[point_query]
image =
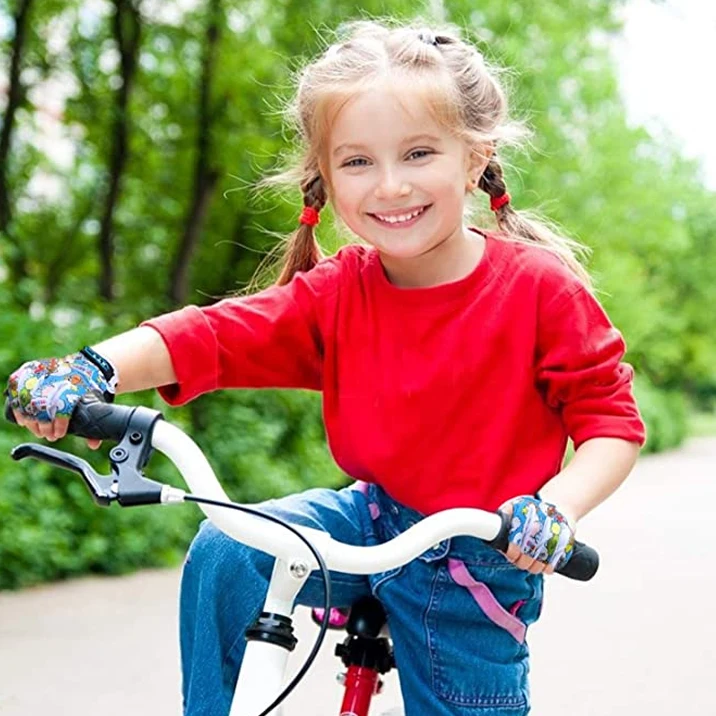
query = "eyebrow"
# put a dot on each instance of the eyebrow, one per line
(407, 140)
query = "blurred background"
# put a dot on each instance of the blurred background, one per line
(133, 132)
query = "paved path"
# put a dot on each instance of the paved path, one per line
(639, 639)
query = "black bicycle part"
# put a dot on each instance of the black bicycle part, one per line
(367, 618)
(325, 575)
(364, 646)
(274, 629)
(375, 654)
(132, 427)
(582, 566)
(92, 417)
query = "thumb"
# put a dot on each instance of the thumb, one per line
(508, 506)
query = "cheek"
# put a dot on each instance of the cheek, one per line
(346, 196)
(446, 183)
(455, 190)
(340, 205)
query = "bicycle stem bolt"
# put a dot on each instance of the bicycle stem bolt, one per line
(299, 569)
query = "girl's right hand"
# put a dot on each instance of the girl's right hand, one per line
(43, 392)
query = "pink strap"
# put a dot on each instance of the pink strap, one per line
(486, 600)
(372, 506)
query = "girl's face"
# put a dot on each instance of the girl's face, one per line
(398, 179)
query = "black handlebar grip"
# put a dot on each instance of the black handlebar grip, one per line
(93, 418)
(9, 415)
(583, 563)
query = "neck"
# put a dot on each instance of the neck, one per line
(451, 260)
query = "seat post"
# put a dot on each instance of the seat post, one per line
(366, 655)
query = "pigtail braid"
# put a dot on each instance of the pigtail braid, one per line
(303, 251)
(518, 226)
(492, 181)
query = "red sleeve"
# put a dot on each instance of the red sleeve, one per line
(580, 370)
(271, 339)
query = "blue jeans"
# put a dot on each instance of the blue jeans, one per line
(457, 614)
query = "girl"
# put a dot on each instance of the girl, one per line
(454, 364)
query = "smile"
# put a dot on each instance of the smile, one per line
(400, 220)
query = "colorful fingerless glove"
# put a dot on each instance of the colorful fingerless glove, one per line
(49, 388)
(541, 531)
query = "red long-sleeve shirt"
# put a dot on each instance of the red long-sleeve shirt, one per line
(462, 394)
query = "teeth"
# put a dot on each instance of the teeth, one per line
(401, 217)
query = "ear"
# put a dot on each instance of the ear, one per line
(477, 160)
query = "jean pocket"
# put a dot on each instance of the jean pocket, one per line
(476, 624)
(486, 600)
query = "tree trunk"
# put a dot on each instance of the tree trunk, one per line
(127, 28)
(205, 176)
(16, 257)
(55, 266)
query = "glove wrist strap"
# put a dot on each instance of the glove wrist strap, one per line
(105, 367)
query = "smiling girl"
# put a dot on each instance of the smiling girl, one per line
(454, 362)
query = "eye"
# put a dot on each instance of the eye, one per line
(355, 162)
(420, 153)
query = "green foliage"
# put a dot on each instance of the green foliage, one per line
(261, 444)
(265, 443)
(703, 424)
(665, 413)
(50, 528)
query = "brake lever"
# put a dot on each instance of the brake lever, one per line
(126, 484)
(100, 487)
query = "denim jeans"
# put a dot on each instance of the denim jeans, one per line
(457, 614)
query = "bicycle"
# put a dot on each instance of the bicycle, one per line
(366, 652)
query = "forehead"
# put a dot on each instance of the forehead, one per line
(382, 117)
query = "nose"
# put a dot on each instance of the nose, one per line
(391, 183)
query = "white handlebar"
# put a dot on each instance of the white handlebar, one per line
(275, 540)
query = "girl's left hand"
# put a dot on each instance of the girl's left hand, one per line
(541, 537)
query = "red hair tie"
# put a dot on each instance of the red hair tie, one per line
(309, 216)
(499, 201)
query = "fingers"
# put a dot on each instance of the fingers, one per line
(56, 430)
(60, 427)
(519, 558)
(46, 430)
(523, 561)
(51, 431)
(29, 423)
(513, 552)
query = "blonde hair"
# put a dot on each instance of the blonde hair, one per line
(463, 93)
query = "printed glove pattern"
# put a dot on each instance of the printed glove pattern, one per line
(541, 531)
(49, 388)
